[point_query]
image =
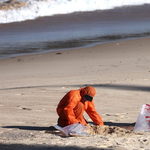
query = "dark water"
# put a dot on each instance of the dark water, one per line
(73, 30)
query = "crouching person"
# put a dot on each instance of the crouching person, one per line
(72, 106)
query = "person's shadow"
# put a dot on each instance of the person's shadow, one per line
(50, 129)
(53, 130)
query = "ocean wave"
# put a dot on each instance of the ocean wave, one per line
(21, 10)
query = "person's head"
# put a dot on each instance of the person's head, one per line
(88, 93)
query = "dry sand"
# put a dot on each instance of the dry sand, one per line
(31, 87)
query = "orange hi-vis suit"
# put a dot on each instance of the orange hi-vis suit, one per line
(71, 107)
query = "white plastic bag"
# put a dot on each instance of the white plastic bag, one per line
(73, 130)
(143, 120)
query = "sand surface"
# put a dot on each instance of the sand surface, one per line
(31, 87)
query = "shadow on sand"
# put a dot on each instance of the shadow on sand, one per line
(45, 147)
(107, 85)
(53, 130)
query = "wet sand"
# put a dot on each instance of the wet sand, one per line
(73, 30)
(31, 87)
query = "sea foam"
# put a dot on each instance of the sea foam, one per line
(12, 11)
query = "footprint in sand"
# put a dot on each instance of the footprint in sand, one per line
(119, 116)
(23, 108)
(112, 115)
(19, 94)
(26, 108)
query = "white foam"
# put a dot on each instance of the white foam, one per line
(38, 8)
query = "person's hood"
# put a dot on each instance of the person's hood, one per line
(89, 90)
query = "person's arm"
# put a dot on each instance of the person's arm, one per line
(91, 111)
(68, 110)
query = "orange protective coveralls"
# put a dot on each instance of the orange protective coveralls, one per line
(71, 107)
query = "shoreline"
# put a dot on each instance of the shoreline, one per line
(74, 30)
(14, 4)
(31, 87)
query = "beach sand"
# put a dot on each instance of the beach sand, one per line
(31, 87)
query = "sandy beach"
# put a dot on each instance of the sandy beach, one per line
(31, 87)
